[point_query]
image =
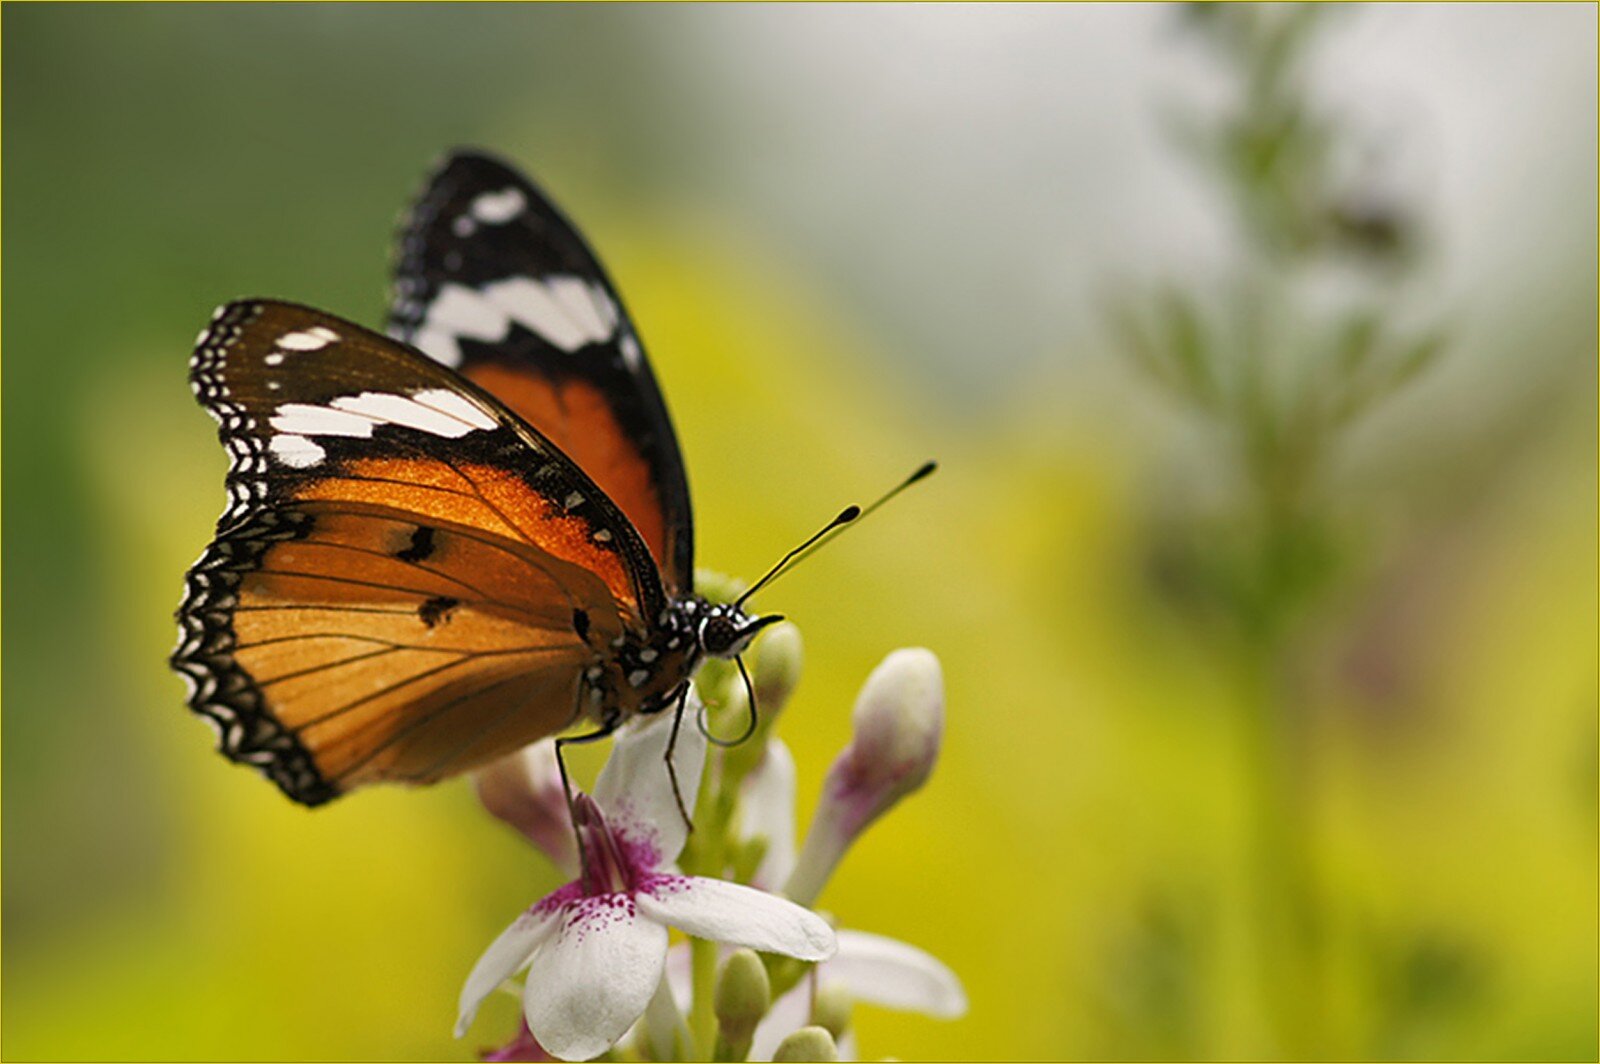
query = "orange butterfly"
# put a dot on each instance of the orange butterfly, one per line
(443, 546)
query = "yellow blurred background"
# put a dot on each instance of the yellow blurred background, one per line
(853, 238)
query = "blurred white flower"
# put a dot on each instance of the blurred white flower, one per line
(596, 947)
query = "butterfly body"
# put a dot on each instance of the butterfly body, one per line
(442, 544)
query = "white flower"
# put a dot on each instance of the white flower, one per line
(596, 947)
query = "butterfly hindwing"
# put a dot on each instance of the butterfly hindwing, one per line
(393, 590)
(494, 282)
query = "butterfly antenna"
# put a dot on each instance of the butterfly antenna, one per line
(850, 515)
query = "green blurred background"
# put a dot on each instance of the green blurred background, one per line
(1270, 737)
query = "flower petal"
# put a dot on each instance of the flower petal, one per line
(663, 1021)
(635, 791)
(500, 961)
(738, 915)
(593, 979)
(887, 972)
(524, 790)
(767, 811)
(680, 975)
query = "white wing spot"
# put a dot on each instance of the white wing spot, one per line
(603, 536)
(387, 409)
(296, 451)
(575, 499)
(309, 340)
(630, 351)
(305, 419)
(274, 359)
(566, 311)
(497, 208)
(458, 406)
(438, 412)
(637, 677)
(464, 226)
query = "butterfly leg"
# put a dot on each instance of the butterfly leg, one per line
(672, 769)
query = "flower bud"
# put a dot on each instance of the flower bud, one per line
(831, 1010)
(779, 656)
(523, 1047)
(776, 673)
(808, 1043)
(524, 789)
(899, 722)
(717, 587)
(742, 997)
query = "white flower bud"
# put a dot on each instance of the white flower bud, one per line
(899, 722)
(524, 789)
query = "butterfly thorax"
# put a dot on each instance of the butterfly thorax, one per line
(644, 671)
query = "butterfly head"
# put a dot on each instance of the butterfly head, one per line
(726, 631)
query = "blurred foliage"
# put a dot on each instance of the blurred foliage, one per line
(1280, 371)
(1101, 574)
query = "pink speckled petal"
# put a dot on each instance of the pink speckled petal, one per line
(593, 979)
(501, 960)
(635, 792)
(888, 972)
(739, 916)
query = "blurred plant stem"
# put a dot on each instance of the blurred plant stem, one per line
(1278, 378)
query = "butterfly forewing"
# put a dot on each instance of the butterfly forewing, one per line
(393, 590)
(494, 282)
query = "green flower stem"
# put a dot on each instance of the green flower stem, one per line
(705, 855)
(702, 1010)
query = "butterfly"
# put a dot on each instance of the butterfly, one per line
(447, 542)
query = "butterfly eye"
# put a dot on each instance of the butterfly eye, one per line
(717, 636)
(722, 638)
